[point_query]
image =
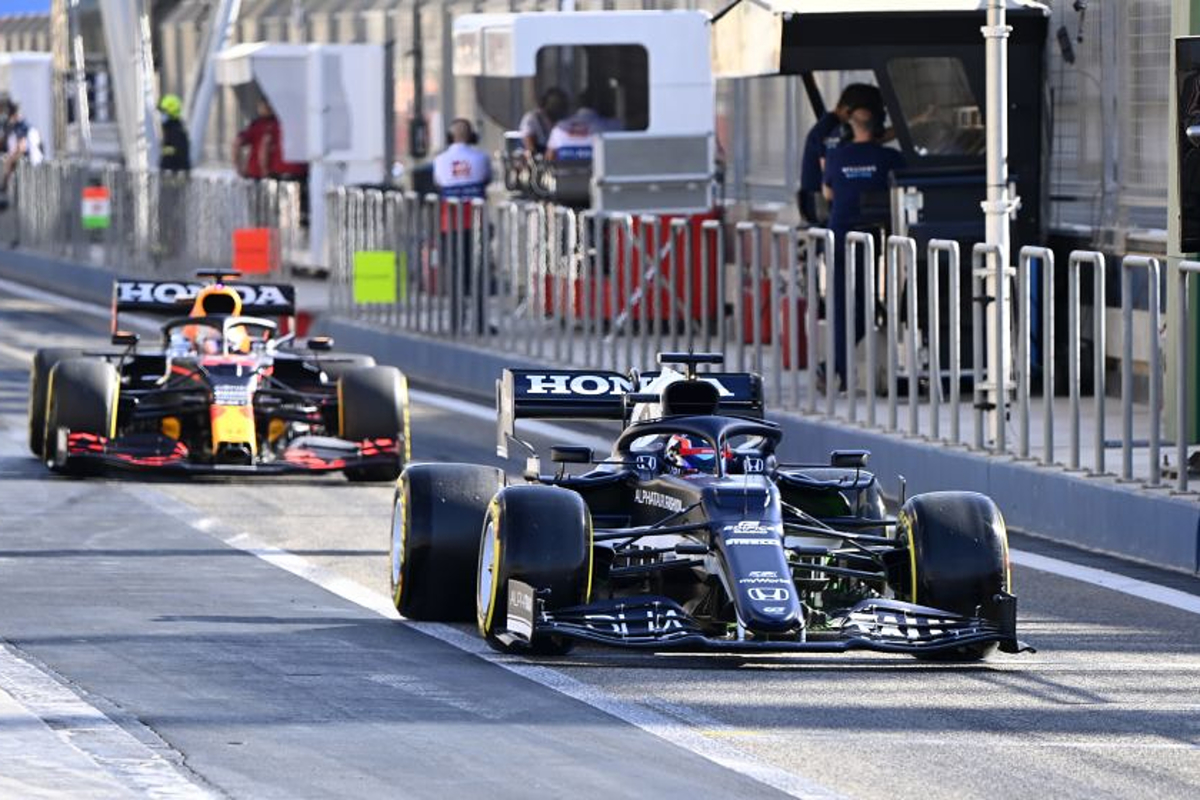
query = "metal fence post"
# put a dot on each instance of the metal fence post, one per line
(1151, 265)
(854, 241)
(826, 238)
(1077, 259)
(1184, 270)
(936, 248)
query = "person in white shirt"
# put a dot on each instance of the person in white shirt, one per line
(461, 172)
(571, 139)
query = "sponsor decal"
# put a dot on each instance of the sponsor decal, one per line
(232, 394)
(769, 594)
(171, 292)
(652, 622)
(763, 580)
(737, 541)
(658, 500)
(520, 609)
(586, 385)
(774, 609)
(753, 465)
(647, 463)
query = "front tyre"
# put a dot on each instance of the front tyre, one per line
(39, 380)
(373, 404)
(542, 536)
(81, 396)
(958, 560)
(436, 516)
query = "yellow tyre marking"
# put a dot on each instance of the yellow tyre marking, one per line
(485, 624)
(341, 411)
(398, 510)
(587, 595)
(905, 526)
(112, 414)
(404, 410)
(1008, 581)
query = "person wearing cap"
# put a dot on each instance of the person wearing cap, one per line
(176, 147)
(829, 131)
(856, 183)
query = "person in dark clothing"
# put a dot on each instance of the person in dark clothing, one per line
(856, 182)
(174, 165)
(824, 136)
(176, 147)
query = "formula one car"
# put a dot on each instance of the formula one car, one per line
(692, 535)
(226, 392)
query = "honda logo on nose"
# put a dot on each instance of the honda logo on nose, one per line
(772, 594)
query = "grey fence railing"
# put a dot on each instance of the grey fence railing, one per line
(156, 223)
(609, 291)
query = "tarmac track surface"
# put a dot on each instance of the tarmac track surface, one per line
(264, 684)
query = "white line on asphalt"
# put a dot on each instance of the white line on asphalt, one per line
(653, 722)
(1108, 580)
(116, 753)
(1066, 569)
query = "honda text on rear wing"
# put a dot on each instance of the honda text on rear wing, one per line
(602, 395)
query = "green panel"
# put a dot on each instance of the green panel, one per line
(374, 276)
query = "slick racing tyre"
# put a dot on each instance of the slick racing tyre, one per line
(437, 514)
(39, 377)
(81, 396)
(542, 536)
(958, 559)
(335, 366)
(373, 404)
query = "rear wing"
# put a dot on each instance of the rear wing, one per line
(599, 395)
(167, 297)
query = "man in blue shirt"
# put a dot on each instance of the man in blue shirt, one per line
(825, 136)
(856, 183)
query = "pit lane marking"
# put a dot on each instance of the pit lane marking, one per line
(667, 727)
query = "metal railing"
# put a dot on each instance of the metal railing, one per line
(157, 223)
(610, 290)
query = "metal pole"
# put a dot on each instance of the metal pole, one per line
(950, 248)
(997, 207)
(1151, 265)
(1185, 269)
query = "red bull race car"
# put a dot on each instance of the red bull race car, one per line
(693, 534)
(226, 391)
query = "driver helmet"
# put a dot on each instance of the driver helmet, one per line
(217, 300)
(689, 454)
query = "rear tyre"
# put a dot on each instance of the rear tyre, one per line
(39, 377)
(81, 396)
(437, 514)
(958, 559)
(541, 535)
(373, 404)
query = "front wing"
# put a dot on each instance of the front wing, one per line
(659, 623)
(308, 454)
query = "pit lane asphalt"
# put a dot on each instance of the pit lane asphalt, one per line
(269, 686)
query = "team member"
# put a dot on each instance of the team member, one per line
(176, 147)
(571, 139)
(856, 182)
(825, 136)
(461, 172)
(537, 124)
(23, 143)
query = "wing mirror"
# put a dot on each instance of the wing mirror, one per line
(320, 344)
(125, 338)
(570, 454)
(849, 459)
